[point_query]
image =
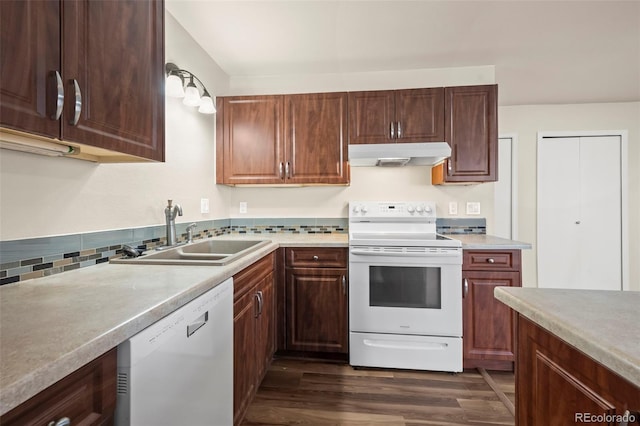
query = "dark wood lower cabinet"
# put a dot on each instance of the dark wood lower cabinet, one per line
(556, 384)
(488, 325)
(316, 300)
(253, 331)
(86, 397)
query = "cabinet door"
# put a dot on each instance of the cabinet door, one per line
(317, 310)
(420, 115)
(371, 117)
(30, 57)
(315, 138)
(555, 382)
(244, 365)
(87, 396)
(253, 151)
(115, 52)
(488, 325)
(471, 128)
(265, 334)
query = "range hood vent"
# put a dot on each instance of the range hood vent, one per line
(398, 154)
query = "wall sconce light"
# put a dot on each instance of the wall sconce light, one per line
(175, 87)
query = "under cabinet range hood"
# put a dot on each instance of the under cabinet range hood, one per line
(398, 154)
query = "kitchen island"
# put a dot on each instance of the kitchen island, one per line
(578, 354)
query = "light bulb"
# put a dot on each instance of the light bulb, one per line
(173, 86)
(206, 104)
(191, 94)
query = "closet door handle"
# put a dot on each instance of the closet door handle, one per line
(287, 170)
(465, 287)
(281, 170)
(392, 131)
(77, 105)
(59, 97)
(399, 130)
(449, 167)
(260, 302)
(344, 285)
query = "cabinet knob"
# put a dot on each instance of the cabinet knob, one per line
(315, 258)
(490, 260)
(62, 422)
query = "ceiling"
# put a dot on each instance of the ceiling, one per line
(544, 52)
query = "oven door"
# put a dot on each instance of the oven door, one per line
(410, 290)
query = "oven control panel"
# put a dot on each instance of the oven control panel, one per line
(392, 210)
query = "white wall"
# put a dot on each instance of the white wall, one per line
(44, 196)
(526, 121)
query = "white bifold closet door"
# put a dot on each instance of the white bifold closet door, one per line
(579, 213)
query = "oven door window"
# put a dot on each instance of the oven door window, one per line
(405, 287)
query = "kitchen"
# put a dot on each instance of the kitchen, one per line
(68, 197)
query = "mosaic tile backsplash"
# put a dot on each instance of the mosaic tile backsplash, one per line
(38, 257)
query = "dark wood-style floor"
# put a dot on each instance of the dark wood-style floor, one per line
(298, 392)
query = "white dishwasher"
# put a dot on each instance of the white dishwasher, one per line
(179, 371)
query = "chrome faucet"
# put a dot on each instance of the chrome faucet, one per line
(170, 213)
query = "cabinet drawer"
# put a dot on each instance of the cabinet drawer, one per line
(314, 257)
(247, 278)
(491, 260)
(86, 396)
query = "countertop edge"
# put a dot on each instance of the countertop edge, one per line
(608, 357)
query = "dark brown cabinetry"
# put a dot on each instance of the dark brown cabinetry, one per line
(555, 383)
(86, 396)
(94, 78)
(488, 325)
(292, 139)
(253, 331)
(412, 115)
(316, 300)
(471, 129)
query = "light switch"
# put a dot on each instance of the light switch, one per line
(473, 207)
(243, 207)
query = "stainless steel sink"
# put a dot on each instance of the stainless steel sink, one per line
(213, 252)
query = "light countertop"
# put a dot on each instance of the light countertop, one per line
(488, 242)
(51, 326)
(604, 325)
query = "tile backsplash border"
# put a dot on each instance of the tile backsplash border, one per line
(25, 259)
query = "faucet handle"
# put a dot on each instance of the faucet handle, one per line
(190, 227)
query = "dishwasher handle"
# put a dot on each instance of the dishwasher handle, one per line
(197, 324)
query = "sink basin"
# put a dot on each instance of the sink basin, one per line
(213, 252)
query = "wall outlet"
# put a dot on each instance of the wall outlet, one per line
(473, 207)
(204, 205)
(453, 208)
(243, 207)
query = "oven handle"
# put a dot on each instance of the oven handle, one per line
(420, 346)
(442, 252)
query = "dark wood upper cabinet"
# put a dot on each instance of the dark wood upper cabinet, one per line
(107, 57)
(289, 139)
(316, 146)
(412, 115)
(471, 123)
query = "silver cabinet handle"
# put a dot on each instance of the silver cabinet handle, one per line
(449, 167)
(287, 170)
(59, 97)
(197, 324)
(77, 106)
(629, 416)
(62, 422)
(315, 257)
(399, 130)
(257, 310)
(344, 285)
(392, 131)
(490, 260)
(260, 302)
(465, 288)
(281, 171)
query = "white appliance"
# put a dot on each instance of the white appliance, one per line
(405, 288)
(179, 371)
